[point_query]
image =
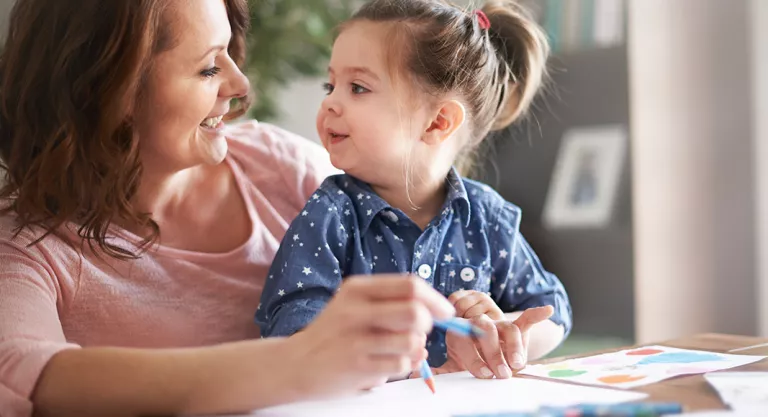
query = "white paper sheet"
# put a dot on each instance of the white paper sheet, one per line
(747, 412)
(741, 389)
(640, 366)
(458, 393)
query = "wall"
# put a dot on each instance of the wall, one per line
(690, 102)
(759, 13)
(589, 88)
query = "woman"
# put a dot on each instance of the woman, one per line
(138, 230)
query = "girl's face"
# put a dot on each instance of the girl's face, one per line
(371, 122)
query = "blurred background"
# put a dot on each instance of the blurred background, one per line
(642, 171)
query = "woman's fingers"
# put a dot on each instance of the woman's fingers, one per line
(392, 287)
(398, 316)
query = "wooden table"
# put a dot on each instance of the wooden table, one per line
(693, 391)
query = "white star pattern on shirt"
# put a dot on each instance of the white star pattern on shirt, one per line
(448, 258)
(304, 213)
(295, 237)
(339, 192)
(315, 197)
(341, 227)
(369, 212)
(300, 284)
(452, 274)
(335, 271)
(450, 245)
(503, 254)
(346, 212)
(519, 290)
(281, 293)
(360, 196)
(312, 224)
(470, 245)
(307, 270)
(379, 239)
(417, 255)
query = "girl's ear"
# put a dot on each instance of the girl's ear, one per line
(448, 119)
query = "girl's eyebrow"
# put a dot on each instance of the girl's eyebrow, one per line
(358, 70)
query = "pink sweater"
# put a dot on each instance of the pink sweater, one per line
(53, 297)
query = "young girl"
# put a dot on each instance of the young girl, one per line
(414, 86)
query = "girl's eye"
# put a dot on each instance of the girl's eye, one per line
(210, 72)
(328, 87)
(358, 89)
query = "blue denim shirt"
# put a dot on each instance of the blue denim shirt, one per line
(347, 229)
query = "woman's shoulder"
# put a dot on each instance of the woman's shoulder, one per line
(32, 246)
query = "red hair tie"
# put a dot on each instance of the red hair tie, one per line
(482, 19)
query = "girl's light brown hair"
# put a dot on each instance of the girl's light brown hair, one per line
(70, 77)
(496, 71)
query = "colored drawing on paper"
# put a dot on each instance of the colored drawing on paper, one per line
(565, 373)
(620, 379)
(681, 357)
(640, 366)
(644, 352)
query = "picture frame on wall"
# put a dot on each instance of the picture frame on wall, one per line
(586, 177)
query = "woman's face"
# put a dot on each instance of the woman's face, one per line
(188, 89)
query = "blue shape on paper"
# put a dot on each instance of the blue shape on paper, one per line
(680, 357)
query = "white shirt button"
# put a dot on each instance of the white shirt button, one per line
(425, 271)
(467, 274)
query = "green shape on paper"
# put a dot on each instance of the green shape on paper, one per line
(565, 373)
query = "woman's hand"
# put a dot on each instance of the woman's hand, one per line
(504, 346)
(373, 329)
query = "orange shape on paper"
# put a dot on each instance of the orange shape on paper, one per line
(619, 379)
(644, 352)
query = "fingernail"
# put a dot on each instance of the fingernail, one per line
(504, 371)
(485, 372)
(517, 361)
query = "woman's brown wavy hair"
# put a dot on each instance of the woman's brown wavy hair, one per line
(70, 76)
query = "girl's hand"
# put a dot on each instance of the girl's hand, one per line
(505, 343)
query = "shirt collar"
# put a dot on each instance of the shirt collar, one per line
(457, 197)
(368, 204)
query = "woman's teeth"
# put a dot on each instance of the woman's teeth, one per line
(212, 122)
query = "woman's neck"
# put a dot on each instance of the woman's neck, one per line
(421, 201)
(169, 195)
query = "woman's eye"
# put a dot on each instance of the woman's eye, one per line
(210, 72)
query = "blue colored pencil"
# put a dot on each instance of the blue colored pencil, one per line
(426, 375)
